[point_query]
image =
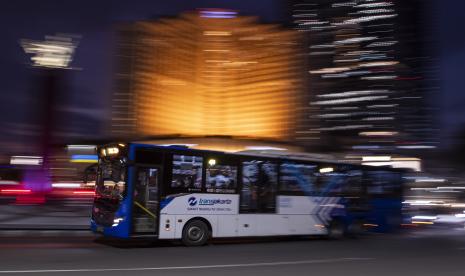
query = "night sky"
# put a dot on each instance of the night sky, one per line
(90, 88)
(450, 35)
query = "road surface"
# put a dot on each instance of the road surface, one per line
(431, 252)
(69, 214)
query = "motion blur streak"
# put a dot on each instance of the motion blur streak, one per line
(54, 52)
(214, 89)
(15, 191)
(90, 193)
(26, 160)
(66, 185)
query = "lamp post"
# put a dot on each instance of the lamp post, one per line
(50, 58)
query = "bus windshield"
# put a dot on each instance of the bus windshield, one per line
(111, 181)
(110, 190)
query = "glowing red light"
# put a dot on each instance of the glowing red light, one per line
(15, 191)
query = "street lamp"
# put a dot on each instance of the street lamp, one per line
(50, 57)
(54, 52)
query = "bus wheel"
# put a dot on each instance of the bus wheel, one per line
(336, 230)
(195, 233)
(355, 229)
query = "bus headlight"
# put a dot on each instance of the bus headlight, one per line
(112, 151)
(116, 221)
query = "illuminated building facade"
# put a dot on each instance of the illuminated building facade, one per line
(207, 73)
(368, 75)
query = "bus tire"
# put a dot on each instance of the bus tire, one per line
(336, 230)
(195, 233)
(355, 229)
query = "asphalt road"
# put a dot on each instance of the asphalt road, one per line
(432, 252)
(66, 214)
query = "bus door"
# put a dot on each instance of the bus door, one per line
(145, 206)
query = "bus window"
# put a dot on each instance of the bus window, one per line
(299, 178)
(250, 175)
(340, 181)
(187, 172)
(383, 183)
(221, 178)
(331, 184)
(353, 186)
(111, 181)
(267, 187)
(259, 185)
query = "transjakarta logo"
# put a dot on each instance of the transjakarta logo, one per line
(205, 201)
(192, 201)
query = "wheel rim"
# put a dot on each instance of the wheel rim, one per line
(195, 233)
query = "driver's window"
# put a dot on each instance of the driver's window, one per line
(112, 180)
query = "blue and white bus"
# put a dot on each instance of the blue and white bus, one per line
(181, 193)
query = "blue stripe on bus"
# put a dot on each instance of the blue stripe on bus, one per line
(165, 202)
(170, 198)
(92, 157)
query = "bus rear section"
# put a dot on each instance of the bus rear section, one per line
(384, 198)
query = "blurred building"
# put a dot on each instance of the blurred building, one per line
(370, 76)
(207, 73)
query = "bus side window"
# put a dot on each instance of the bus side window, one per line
(383, 183)
(354, 183)
(187, 173)
(267, 187)
(250, 177)
(331, 184)
(259, 185)
(220, 177)
(298, 178)
(338, 180)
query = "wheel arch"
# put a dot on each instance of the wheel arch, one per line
(202, 219)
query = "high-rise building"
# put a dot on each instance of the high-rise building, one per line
(368, 90)
(210, 72)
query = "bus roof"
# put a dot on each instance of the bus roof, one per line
(223, 144)
(250, 147)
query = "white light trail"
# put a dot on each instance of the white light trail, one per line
(425, 217)
(354, 93)
(350, 100)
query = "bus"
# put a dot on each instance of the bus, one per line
(177, 192)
